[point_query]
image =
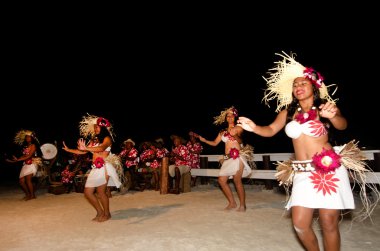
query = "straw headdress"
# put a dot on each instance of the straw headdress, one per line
(20, 136)
(86, 125)
(281, 77)
(218, 120)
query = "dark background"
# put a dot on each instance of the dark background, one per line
(156, 82)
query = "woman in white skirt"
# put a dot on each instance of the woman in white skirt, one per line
(104, 164)
(318, 174)
(237, 159)
(30, 144)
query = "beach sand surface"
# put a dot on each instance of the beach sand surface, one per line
(149, 220)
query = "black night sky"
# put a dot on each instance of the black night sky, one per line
(155, 86)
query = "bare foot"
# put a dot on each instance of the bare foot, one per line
(230, 206)
(241, 209)
(29, 198)
(104, 218)
(97, 217)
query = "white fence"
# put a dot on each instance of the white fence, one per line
(266, 158)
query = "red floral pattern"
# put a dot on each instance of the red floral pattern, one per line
(324, 182)
(131, 157)
(147, 155)
(67, 176)
(182, 156)
(195, 151)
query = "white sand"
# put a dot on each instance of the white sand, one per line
(151, 221)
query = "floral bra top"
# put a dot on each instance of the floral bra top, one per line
(227, 137)
(313, 128)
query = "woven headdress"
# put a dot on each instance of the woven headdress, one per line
(20, 136)
(86, 125)
(218, 120)
(281, 77)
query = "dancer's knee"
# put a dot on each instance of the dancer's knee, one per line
(222, 181)
(299, 230)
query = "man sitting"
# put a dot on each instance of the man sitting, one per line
(180, 163)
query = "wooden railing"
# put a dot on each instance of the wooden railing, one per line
(267, 172)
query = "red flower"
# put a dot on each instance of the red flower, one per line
(234, 111)
(234, 153)
(103, 122)
(324, 182)
(327, 161)
(28, 161)
(314, 76)
(99, 162)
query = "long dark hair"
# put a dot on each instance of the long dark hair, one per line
(103, 133)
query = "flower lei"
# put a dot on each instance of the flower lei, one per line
(103, 122)
(327, 161)
(234, 153)
(314, 76)
(99, 162)
(303, 117)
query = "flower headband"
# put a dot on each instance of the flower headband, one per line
(222, 117)
(103, 122)
(314, 76)
(281, 77)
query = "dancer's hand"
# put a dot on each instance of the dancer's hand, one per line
(82, 144)
(201, 139)
(328, 110)
(65, 146)
(246, 124)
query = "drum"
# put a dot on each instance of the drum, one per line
(49, 151)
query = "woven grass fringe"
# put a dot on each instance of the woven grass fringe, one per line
(247, 153)
(359, 171)
(116, 162)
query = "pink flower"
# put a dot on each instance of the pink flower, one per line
(99, 162)
(103, 122)
(234, 153)
(327, 161)
(314, 76)
(234, 111)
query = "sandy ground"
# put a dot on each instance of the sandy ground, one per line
(149, 220)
